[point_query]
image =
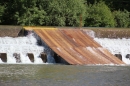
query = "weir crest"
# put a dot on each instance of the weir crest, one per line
(24, 50)
(42, 45)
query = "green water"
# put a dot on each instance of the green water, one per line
(63, 75)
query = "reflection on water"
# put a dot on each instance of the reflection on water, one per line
(63, 75)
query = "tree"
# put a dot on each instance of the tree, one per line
(114, 4)
(99, 15)
(64, 13)
(1, 12)
(122, 18)
(43, 12)
(118, 4)
(30, 14)
(23, 12)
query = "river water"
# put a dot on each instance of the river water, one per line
(63, 75)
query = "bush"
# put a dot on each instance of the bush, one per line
(122, 18)
(1, 12)
(99, 15)
(64, 12)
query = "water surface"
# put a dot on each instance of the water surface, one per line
(63, 75)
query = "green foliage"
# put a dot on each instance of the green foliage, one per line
(23, 12)
(75, 9)
(1, 12)
(99, 15)
(55, 13)
(30, 14)
(118, 4)
(122, 18)
(64, 13)
(44, 12)
(92, 13)
(8, 15)
(114, 4)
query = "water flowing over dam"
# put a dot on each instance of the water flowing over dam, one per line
(17, 49)
(117, 47)
(42, 45)
(20, 49)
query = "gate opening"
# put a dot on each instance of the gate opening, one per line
(44, 57)
(3, 57)
(119, 56)
(31, 57)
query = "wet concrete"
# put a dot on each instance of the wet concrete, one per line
(63, 75)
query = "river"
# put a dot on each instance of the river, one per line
(63, 75)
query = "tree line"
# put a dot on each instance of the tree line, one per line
(87, 13)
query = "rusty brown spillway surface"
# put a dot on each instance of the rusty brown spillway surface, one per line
(76, 47)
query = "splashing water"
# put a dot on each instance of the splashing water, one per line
(21, 45)
(90, 33)
(116, 46)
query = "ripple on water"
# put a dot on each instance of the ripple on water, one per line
(63, 75)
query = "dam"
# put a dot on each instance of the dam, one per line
(76, 46)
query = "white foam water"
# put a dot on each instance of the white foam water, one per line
(90, 33)
(21, 45)
(116, 46)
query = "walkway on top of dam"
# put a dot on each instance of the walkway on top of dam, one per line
(75, 46)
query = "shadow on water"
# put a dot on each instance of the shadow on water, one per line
(63, 75)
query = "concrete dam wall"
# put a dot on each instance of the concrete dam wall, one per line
(75, 46)
(55, 45)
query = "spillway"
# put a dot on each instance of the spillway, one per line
(75, 46)
(117, 47)
(22, 46)
(40, 45)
